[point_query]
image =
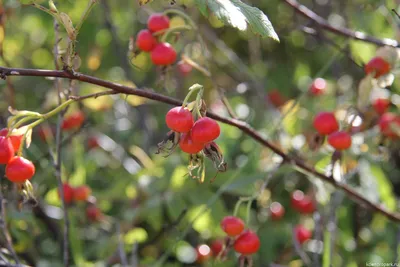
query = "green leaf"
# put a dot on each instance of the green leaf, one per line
(385, 188)
(239, 15)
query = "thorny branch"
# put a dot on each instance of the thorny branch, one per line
(243, 126)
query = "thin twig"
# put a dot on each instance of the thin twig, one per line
(243, 126)
(57, 159)
(3, 225)
(306, 12)
(134, 255)
(121, 249)
(95, 95)
(306, 260)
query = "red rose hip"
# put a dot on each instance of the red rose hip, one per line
(204, 253)
(247, 243)
(302, 203)
(318, 87)
(145, 40)
(81, 193)
(157, 22)
(277, 211)
(15, 139)
(179, 119)
(381, 105)
(187, 145)
(378, 66)
(325, 123)
(163, 54)
(302, 234)
(232, 225)
(184, 68)
(93, 213)
(6, 150)
(68, 193)
(205, 130)
(340, 140)
(385, 122)
(19, 169)
(216, 247)
(73, 121)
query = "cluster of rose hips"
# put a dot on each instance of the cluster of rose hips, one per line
(301, 203)
(379, 67)
(195, 136)
(244, 242)
(82, 194)
(326, 124)
(162, 53)
(18, 168)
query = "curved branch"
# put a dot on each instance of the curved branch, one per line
(147, 93)
(304, 11)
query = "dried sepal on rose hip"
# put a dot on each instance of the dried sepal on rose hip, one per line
(213, 152)
(168, 145)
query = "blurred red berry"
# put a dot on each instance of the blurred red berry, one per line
(81, 193)
(157, 22)
(204, 253)
(247, 243)
(302, 234)
(16, 140)
(325, 123)
(19, 169)
(318, 87)
(276, 98)
(68, 193)
(217, 246)
(385, 124)
(93, 142)
(73, 121)
(184, 68)
(277, 211)
(302, 203)
(381, 105)
(145, 40)
(93, 213)
(378, 66)
(6, 150)
(163, 54)
(340, 140)
(232, 225)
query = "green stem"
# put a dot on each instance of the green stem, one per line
(85, 14)
(248, 209)
(183, 15)
(198, 103)
(58, 109)
(171, 30)
(237, 206)
(192, 89)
